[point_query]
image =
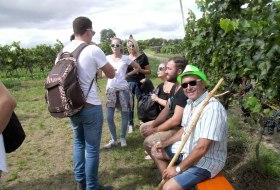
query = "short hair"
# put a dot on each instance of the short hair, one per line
(180, 62)
(81, 24)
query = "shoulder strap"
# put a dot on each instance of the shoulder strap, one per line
(76, 54)
(78, 50)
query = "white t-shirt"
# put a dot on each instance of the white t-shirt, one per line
(3, 164)
(119, 82)
(90, 59)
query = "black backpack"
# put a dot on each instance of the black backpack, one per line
(64, 95)
(147, 109)
(13, 134)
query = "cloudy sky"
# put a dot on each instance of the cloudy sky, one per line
(34, 22)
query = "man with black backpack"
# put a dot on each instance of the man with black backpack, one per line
(87, 123)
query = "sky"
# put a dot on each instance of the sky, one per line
(35, 22)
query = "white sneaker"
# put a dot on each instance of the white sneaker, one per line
(130, 129)
(148, 157)
(123, 142)
(111, 143)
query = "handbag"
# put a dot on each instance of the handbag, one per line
(147, 109)
(13, 134)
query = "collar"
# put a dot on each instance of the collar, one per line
(199, 100)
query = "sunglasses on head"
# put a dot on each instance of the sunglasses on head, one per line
(162, 69)
(191, 83)
(115, 45)
(131, 46)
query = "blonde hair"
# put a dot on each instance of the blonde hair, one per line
(134, 42)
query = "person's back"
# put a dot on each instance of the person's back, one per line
(87, 124)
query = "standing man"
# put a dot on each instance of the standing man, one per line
(205, 151)
(87, 124)
(168, 122)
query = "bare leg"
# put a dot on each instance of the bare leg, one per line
(160, 158)
(171, 184)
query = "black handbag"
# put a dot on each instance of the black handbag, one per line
(13, 134)
(147, 109)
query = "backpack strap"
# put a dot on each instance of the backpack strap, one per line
(76, 54)
(78, 50)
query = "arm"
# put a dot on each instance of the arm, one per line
(172, 122)
(160, 101)
(108, 70)
(159, 120)
(7, 106)
(196, 154)
(135, 70)
(146, 70)
(176, 137)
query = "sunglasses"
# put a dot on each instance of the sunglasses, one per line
(161, 69)
(93, 32)
(115, 45)
(191, 83)
(131, 46)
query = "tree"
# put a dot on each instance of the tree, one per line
(106, 35)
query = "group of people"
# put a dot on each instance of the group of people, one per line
(179, 97)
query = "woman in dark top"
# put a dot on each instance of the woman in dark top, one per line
(162, 91)
(134, 80)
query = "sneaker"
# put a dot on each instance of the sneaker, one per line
(123, 142)
(130, 129)
(105, 187)
(111, 143)
(148, 157)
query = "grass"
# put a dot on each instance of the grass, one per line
(161, 54)
(44, 161)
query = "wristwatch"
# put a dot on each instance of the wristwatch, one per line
(178, 169)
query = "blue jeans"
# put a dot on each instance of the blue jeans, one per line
(189, 177)
(135, 90)
(87, 129)
(110, 111)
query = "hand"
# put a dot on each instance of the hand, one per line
(154, 97)
(148, 130)
(169, 172)
(157, 150)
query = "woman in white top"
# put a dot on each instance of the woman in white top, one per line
(117, 91)
(7, 106)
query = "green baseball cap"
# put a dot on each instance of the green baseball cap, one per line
(191, 70)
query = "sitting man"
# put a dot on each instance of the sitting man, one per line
(168, 122)
(205, 151)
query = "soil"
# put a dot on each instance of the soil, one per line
(239, 170)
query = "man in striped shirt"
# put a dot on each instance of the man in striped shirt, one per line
(205, 151)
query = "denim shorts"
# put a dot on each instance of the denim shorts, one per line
(189, 177)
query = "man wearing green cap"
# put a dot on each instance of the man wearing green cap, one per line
(205, 151)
